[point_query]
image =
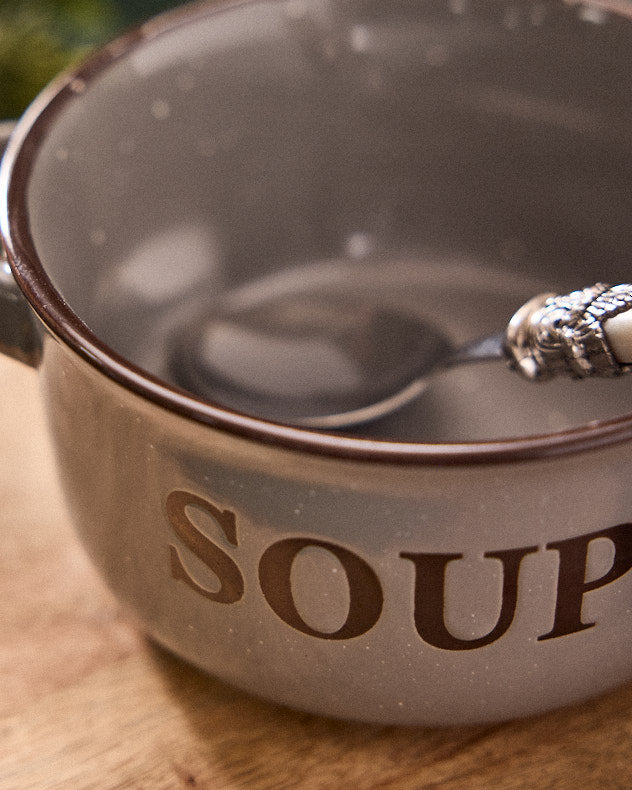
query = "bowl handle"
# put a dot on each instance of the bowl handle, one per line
(19, 337)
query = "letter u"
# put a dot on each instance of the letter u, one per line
(430, 572)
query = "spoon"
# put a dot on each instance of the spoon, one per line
(335, 362)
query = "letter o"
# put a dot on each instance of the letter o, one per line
(365, 592)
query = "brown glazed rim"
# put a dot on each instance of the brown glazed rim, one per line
(60, 319)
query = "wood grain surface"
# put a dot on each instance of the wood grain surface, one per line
(87, 702)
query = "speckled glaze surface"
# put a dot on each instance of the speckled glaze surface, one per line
(196, 529)
(437, 582)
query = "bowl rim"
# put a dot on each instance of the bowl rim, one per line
(60, 319)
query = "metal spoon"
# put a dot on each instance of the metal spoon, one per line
(334, 363)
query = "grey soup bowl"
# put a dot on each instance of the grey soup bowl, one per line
(466, 559)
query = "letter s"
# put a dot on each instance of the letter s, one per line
(231, 581)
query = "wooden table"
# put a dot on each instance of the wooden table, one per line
(87, 702)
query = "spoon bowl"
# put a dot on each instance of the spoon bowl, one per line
(327, 363)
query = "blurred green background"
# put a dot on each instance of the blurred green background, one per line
(39, 38)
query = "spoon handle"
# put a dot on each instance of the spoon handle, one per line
(584, 333)
(483, 349)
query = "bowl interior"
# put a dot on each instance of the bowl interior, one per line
(449, 158)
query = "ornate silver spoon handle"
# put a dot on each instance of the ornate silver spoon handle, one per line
(585, 333)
